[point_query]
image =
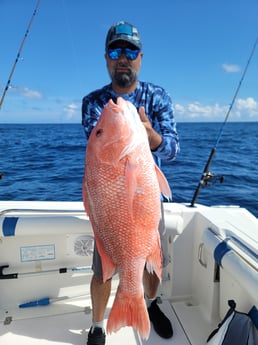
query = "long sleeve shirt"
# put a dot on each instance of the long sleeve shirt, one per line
(158, 108)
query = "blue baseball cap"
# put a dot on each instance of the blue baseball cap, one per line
(123, 31)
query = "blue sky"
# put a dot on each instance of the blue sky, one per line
(196, 49)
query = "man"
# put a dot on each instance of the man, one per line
(123, 54)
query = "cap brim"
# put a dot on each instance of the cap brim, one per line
(132, 42)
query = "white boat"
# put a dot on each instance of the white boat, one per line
(45, 268)
(45, 257)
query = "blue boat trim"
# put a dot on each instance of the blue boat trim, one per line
(221, 249)
(249, 250)
(9, 226)
(253, 313)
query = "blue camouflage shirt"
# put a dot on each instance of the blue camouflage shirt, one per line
(158, 108)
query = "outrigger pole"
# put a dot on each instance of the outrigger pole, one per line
(206, 174)
(18, 55)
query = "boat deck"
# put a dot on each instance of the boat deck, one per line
(46, 251)
(56, 325)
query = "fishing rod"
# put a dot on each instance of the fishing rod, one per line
(18, 54)
(206, 175)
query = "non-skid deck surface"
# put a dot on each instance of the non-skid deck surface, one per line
(72, 329)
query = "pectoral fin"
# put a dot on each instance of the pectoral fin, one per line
(163, 184)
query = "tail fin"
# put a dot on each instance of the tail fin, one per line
(128, 310)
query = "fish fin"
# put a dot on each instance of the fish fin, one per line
(163, 184)
(154, 260)
(108, 267)
(128, 310)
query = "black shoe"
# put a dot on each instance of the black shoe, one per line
(97, 337)
(160, 322)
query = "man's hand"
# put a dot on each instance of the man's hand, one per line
(154, 138)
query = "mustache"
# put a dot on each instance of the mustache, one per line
(124, 65)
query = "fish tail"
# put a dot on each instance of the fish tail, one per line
(129, 311)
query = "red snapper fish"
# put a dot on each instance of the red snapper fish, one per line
(121, 193)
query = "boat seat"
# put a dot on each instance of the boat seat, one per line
(39, 246)
(238, 270)
(36, 225)
(174, 222)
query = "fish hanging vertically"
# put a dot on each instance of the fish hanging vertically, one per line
(121, 192)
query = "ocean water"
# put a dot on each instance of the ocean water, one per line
(46, 162)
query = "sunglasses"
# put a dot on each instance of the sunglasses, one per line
(115, 53)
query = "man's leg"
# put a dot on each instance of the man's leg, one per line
(100, 293)
(160, 322)
(151, 284)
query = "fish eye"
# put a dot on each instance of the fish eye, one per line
(99, 132)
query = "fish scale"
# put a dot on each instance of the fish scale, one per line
(121, 193)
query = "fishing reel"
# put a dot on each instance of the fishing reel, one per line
(210, 179)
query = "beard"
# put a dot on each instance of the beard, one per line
(124, 79)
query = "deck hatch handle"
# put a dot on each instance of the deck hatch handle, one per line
(200, 255)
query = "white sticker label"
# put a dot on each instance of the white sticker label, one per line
(37, 253)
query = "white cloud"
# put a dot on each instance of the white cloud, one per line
(198, 111)
(26, 92)
(242, 110)
(71, 110)
(31, 93)
(231, 68)
(247, 106)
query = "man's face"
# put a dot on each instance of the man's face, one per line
(123, 71)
